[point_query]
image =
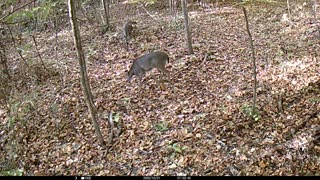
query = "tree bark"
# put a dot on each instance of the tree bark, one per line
(315, 16)
(5, 76)
(83, 71)
(253, 61)
(106, 12)
(38, 52)
(288, 5)
(187, 28)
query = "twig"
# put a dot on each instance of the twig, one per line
(111, 129)
(17, 9)
(35, 43)
(204, 59)
(280, 103)
(16, 48)
(56, 37)
(119, 125)
(152, 16)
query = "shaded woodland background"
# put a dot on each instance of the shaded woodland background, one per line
(197, 121)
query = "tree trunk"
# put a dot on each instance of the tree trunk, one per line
(38, 52)
(172, 5)
(83, 70)
(253, 61)
(187, 28)
(288, 5)
(5, 77)
(106, 12)
(315, 16)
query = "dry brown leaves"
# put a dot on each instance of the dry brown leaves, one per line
(192, 122)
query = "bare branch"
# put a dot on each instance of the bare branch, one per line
(13, 11)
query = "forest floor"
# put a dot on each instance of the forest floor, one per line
(195, 121)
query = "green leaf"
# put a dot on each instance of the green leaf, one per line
(161, 126)
(13, 172)
(184, 148)
(250, 112)
(176, 148)
(126, 99)
(199, 116)
(116, 117)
